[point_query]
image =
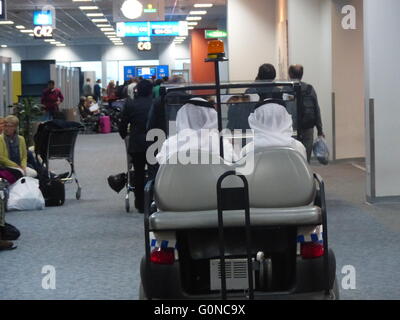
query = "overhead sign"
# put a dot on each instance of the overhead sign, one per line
(146, 72)
(144, 46)
(139, 10)
(215, 34)
(147, 29)
(3, 10)
(43, 32)
(42, 18)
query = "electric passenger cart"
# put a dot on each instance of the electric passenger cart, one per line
(218, 234)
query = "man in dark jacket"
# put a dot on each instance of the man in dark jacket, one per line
(305, 126)
(135, 114)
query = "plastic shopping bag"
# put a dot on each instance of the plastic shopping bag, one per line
(25, 195)
(321, 151)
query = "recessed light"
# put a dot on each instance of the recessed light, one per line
(104, 25)
(192, 23)
(49, 40)
(190, 28)
(82, 0)
(4, 46)
(99, 20)
(110, 33)
(203, 5)
(197, 12)
(89, 7)
(118, 44)
(7, 22)
(95, 14)
(107, 29)
(26, 31)
(20, 27)
(193, 18)
(61, 45)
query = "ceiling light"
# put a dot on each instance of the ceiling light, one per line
(99, 20)
(114, 39)
(107, 29)
(132, 9)
(203, 5)
(7, 22)
(192, 23)
(103, 25)
(20, 27)
(89, 7)
(82, 0)
(110, 33)
(95, 14)
(61, 45)
(118, 44)
(193, 18)
(49, 40)
(26, 31)
(198, 12)
(4, 46)
(190, 28)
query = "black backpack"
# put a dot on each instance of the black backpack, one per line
(309, 108)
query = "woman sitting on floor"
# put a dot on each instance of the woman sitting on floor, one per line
(13, 151)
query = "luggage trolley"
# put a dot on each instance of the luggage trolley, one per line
(129, 176)
(61, 145)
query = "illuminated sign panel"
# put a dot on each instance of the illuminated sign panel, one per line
(42, 18)
(3, 10)
(43, 32)
(147, 29)
(214, 34)
(138, 10)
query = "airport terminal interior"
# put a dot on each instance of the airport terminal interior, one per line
(86, 216)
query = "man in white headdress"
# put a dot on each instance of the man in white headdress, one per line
(273, 127)
(197, 130)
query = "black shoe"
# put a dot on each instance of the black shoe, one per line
(6, 245)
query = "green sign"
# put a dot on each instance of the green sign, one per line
(213, 34)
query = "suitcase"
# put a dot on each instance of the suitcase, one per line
(53, 191)
(105, 124)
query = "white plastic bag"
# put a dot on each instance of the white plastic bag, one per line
(25, 195)
(321, 151)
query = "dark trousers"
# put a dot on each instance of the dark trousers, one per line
(139, 166)
(308, 141)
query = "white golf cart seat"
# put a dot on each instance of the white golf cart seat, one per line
(281, 193)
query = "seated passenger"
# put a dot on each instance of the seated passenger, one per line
(191, 119)
(13, 150)
(273, 127)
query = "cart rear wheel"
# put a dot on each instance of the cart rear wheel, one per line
(142, 294)
(78, 194)
(127, 205)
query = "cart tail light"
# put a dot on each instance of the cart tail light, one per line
(163, 256)
(311, 250)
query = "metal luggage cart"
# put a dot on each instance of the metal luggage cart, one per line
(61, 145)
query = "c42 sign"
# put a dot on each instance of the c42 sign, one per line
(144, 46)
(43, 32)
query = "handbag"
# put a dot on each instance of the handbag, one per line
(9, 232)
(117, 182)
(321, 151)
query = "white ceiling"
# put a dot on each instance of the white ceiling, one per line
(75, 28)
